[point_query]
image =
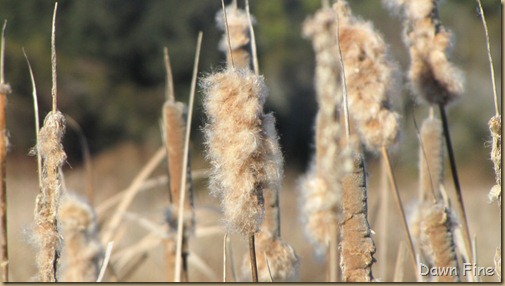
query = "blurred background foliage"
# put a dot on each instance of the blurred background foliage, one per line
(111, 75)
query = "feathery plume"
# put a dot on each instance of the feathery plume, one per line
(431, 159)
(82, 250)
(432, 76)
(238, 29)
(369, 75)
(233, 102)
(495, 128)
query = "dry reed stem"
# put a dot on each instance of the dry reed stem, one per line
(400, 259)
(236, 42)
(130, 194)
(253, 39)
(437, 227)
(459, 196)
(182, 246)
(4, 90)
(174, 128)
(384, 221)
(369, 78)
(357, 245)
(88, 167)
(81, 246)
(279, 263)
(399, 205)
(105, 262)
(490, 58)
(36, 115)
(46, 236)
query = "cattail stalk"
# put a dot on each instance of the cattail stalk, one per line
(236, 43)
(432, 76)
(82, 250)
(180, 254)
(4, 90)
(51, 150)
(495, 122)
(173, 136)
(320, 190)
(368, 77)
(277, 260)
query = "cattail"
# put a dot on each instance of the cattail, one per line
(238, 29)
(47, 238)
(5, 89)
(369, 76)
(276, 259)
(282, 265)
(497, 262)
(495, 128)
(174, 130)
(431, 75)
(357, 245)
(321, 30)
(436, 226)
(319, 187)
(431, 160)
(233, 103)
(82, 250)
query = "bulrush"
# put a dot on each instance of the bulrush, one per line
(276, 259)
(239, 37)
(234, 137)
(369, 76)
(431, 74)
(319, 187)
(82, 250)
(47, 238)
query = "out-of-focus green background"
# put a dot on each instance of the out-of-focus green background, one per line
(111, 81)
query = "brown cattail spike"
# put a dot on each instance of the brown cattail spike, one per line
(357, 245)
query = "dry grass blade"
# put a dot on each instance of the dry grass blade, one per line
(227, 34)
(396, 196)
(185, 162)
(459, 195)
(253, 40)
(399, 271)
(225, 265)
(53, 59)
(36, 115)
(170, 95)
(491, 66)
(4, 90)
(131, 192)
(105, 263)
(86, 154)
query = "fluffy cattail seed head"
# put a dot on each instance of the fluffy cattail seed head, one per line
(238, 29)
(233, 103)
(369, 76)
(82, 249)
